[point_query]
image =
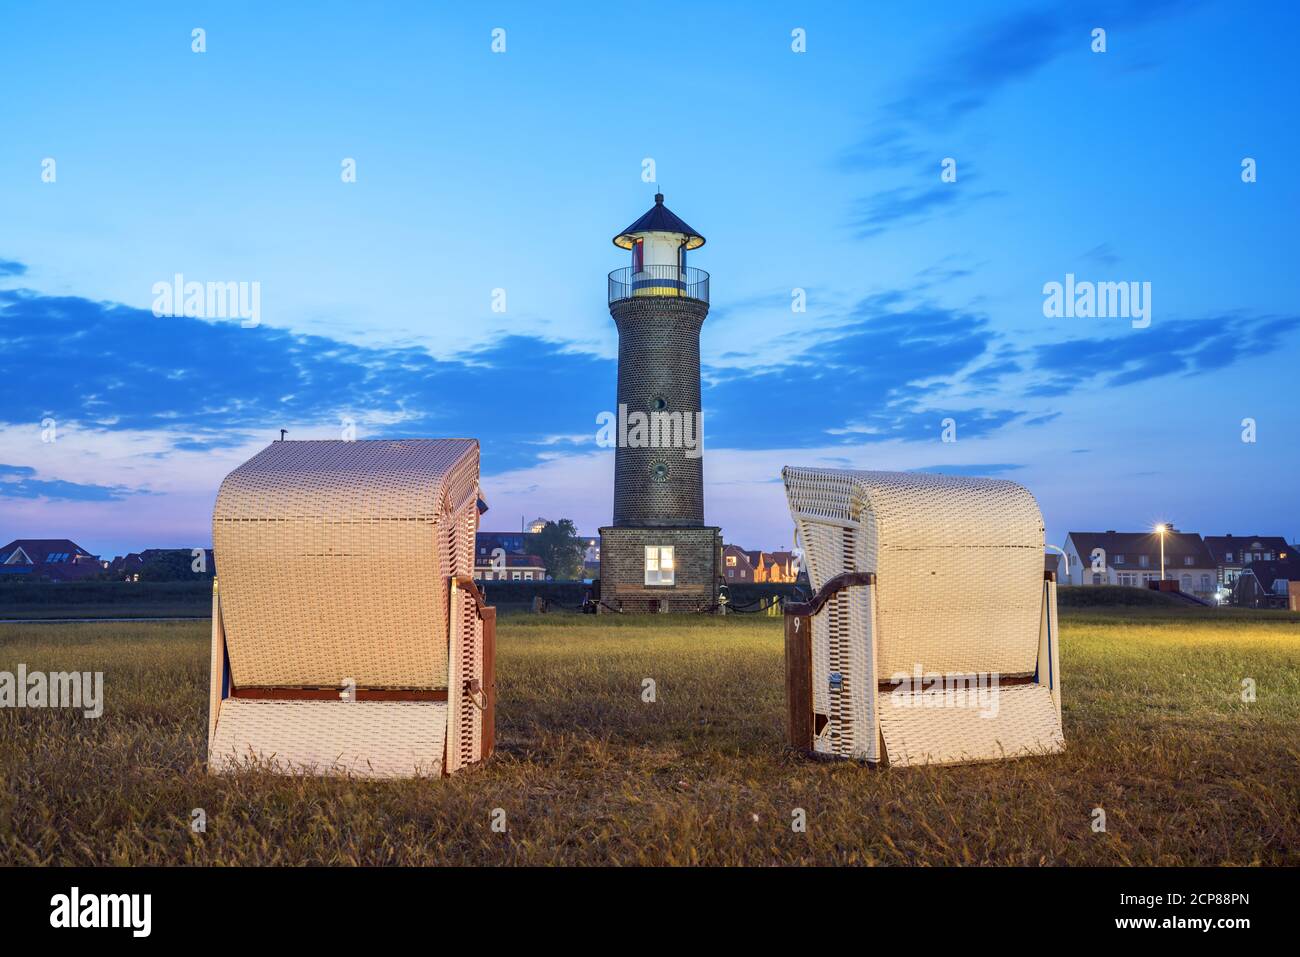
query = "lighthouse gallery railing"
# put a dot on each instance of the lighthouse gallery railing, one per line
(652, 280)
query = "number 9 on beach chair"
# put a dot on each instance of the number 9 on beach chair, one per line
(347, 633)
(931, 637)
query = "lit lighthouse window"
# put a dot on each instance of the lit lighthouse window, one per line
(659, 564)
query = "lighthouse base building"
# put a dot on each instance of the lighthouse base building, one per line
(658, 555)
(691, 584)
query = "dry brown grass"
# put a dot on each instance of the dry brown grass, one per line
(589, 774)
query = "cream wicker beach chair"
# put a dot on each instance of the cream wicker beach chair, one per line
(928, 588)
(347, 633)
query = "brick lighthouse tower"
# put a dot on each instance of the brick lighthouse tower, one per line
(658, 555)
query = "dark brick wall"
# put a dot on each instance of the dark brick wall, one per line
(622, 568)
(658, 358)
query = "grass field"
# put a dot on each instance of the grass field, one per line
(587, 773)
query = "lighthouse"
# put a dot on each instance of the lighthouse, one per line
(658, 555)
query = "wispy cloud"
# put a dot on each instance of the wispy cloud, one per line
(906, 205)
(218, 384)
(962, 77)
(985, 60)
(883, 148)
(878, 373)
(1103, 255)
(1187, 347)
(1002, 51)
(20, 482)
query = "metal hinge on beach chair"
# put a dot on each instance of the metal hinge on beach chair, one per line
(932, 637)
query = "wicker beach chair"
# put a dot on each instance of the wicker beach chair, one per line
(932, 634)
(347, 633)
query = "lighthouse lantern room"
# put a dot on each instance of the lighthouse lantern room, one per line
(659, 241)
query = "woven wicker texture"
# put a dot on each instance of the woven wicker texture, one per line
(958, 560)
(465, 725)
(1024, 722)
(378, 739)
(334, 560)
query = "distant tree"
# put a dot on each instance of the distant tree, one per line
(559, 548)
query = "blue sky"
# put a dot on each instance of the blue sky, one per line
(819, 170)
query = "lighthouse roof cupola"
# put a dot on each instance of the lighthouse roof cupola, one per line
(660, 219)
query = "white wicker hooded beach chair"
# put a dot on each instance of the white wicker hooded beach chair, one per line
(347, 633)
(932, 634)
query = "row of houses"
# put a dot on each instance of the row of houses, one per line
(511, 556)
(63, 560)
(741, 566)
(1252, 570)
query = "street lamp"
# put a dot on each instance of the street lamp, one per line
(1160, 530)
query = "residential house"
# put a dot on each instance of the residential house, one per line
(49, 559)
(171, 564)
(1232, 553)
(527, 568)
(777, 567)
(790, 562)
(126, 568)
(1268, 584)
(1133, 559)
(511, 543)
(762, 566)
(1052, 563)
(737, 566)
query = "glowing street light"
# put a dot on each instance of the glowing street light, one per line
(1160, 530)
